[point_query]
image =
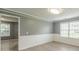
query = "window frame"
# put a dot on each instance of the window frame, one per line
(69, 28)
(5, 29)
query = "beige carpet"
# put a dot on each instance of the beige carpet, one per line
(9, 45)
(53, 46)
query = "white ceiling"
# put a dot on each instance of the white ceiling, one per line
(43, 14)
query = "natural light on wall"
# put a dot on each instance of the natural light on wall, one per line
(55, 10)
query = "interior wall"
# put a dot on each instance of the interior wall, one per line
(14, 30)
(34, 32)
(32, 26)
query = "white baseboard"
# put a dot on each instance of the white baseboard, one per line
(34, 40)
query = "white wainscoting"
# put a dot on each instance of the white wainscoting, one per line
(70, 41)
(34, 40)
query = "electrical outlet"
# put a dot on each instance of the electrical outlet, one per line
(27, 33)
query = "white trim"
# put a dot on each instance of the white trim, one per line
(18, 31)
(39, 18)
(2, 14)
(24, 14)
(0, 37)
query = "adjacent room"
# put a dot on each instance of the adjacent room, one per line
(39, 29)
(9, 33)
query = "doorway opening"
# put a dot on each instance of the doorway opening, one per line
(9, 29)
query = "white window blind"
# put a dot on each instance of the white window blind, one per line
(69, 29)
(64, 29)
(74, 29)
(5, 29)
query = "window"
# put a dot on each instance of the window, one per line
(74, 29)
(64, 29)
(69, 29)
(5, 29)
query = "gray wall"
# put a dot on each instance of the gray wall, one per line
(56, 24)
(34, 26)
(56, 27)
(14, 30)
